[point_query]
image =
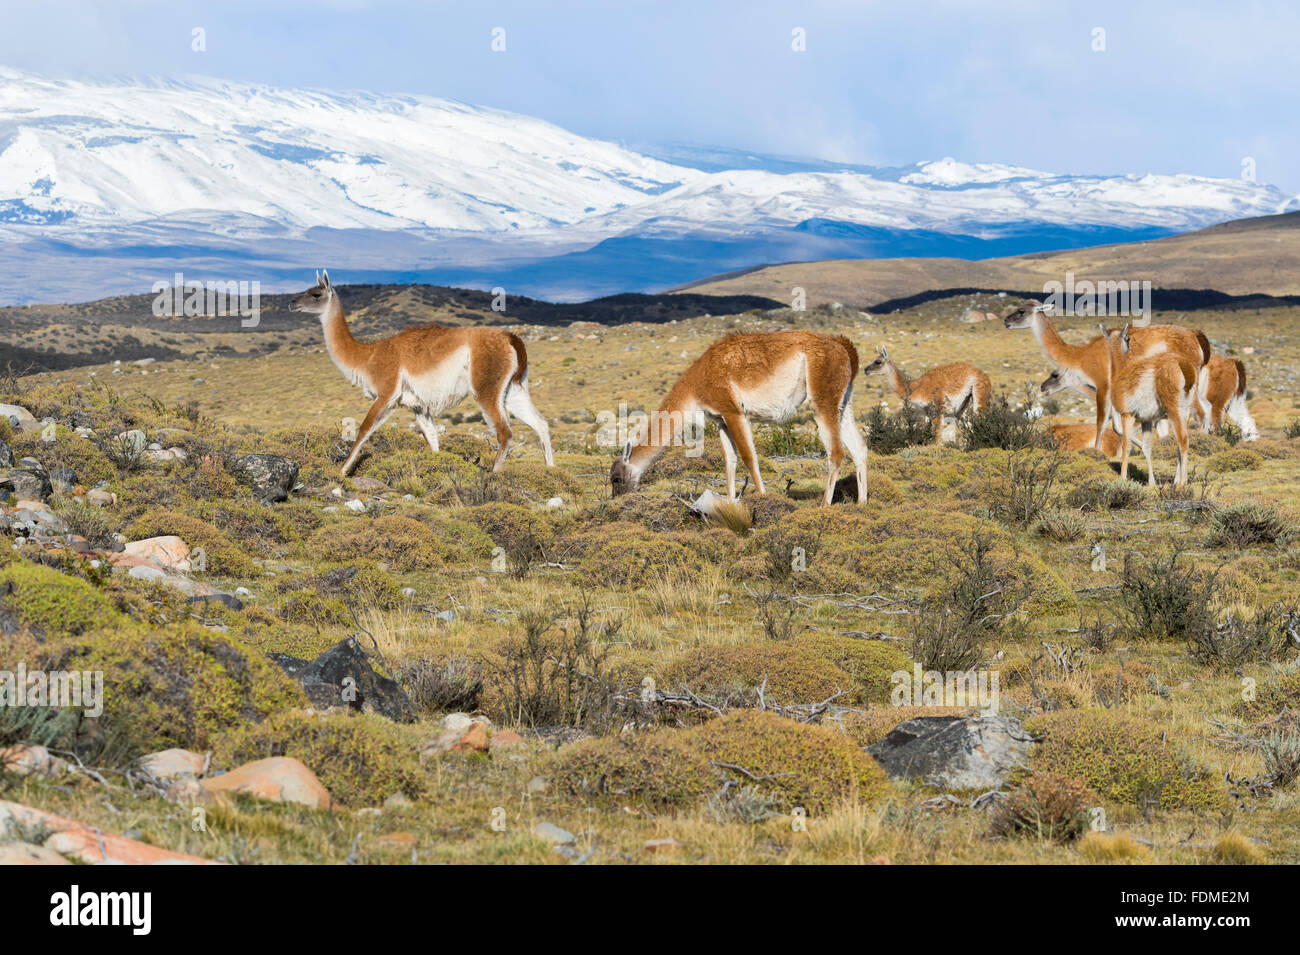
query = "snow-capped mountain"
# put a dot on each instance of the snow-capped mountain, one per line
(132, 180)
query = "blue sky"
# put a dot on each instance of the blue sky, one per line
(1179, 87)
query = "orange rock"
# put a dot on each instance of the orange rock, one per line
(406, 839)
(23, 853)
(879, 860)
(473, 740)
(277, 779)
(88, 845)
(503, 739)
(662, 845)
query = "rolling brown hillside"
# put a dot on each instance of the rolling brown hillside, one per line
(1240, 257)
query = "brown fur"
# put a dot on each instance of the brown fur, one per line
(1083, 437)
(1092, 360)
(1226, 379)
(495, 362)
(738, 364)
(1165, 379)
(942, 388)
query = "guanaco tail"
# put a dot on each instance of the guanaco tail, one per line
(429, 369)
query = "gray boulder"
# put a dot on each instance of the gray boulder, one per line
(343, 676)
(26, 484)
(955, 752)
(270, 475)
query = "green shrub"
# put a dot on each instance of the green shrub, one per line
(403, 543)
(52, 604)
(1248, 524)
(1236, 459)
(179, 687)
(222, 556)
(803, 765)
(1046, 806)
(1124, 759)
(662, 769)
(362, 759)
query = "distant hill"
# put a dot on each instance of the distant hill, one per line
(52, 337)
(1245, 257)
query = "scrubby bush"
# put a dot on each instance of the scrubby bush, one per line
(221, 555)
(1236, 459)
(454, 683)
(663, 769)
(1248, 524)
(1046, 806)
(806, 766)
(1166, 601)
(403, 543)
(1124, 759)
(1061, 525)
(63, 448)
(362, 759)
(1001, 426)
(1109, 495)
(179, 687)
(626, 555)
(53, 604)
(905, 428)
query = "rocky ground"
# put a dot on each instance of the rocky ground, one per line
(426, 662)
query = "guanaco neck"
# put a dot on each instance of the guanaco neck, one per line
(348, 353)
(901, 384)
(664, 430)
(1057, 349)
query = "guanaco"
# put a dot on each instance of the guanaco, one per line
(1145, 390)
(947, 387)
(745, 378)
(1086, 367)
(429, 369)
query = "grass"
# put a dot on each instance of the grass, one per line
(638, 590)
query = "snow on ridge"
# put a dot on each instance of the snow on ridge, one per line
(81, 156)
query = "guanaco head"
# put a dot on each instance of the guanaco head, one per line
(878, 364)
(1023, 316)
(316, 299)
(1053, 383)
(623, 478)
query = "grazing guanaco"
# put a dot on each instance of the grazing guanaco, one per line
(1145, 390)
(1083, 437)
(953, 387)
(757, 377)
(1086, 367)
(1223, 387)
(429, 369)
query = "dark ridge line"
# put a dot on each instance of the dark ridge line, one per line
(1163, 299)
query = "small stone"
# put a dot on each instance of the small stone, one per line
(553, 834)
(355, 505)
(504, 739)
(445, 616)
(31, 761)
(408, 592)
(23, 853)
(456, 721)
(172, 763)
(662, 845)
(397, 801)
(555, 502)
(537, 785)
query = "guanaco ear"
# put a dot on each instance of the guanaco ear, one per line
(627, 452)
(325, 278)
(1043, 306)
(318, 276)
